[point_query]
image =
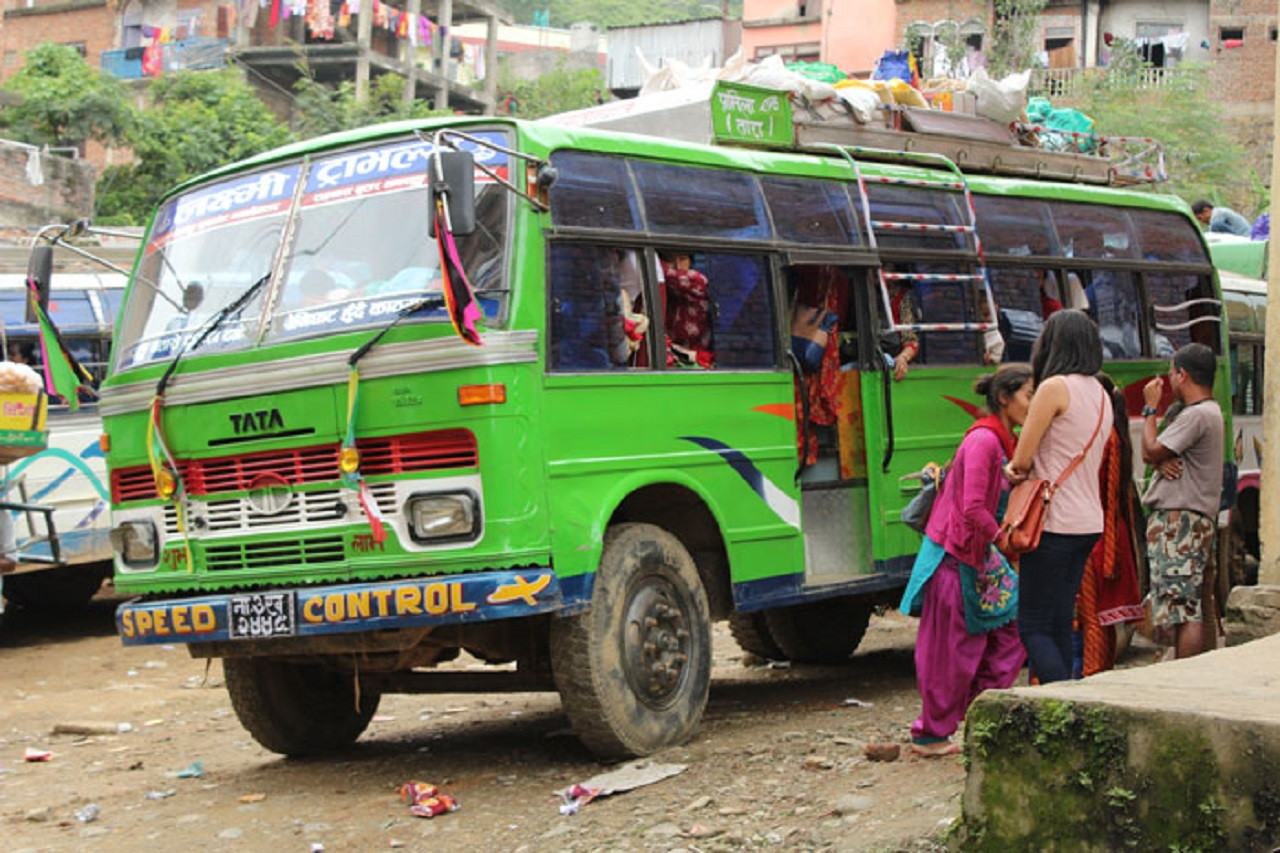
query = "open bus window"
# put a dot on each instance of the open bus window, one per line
(943, 302)
(1113, 305)
(743, 331)
(598, 314)
(1168, 292)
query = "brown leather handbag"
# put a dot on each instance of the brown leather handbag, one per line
(1029, 504)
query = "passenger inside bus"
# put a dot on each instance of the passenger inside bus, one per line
(821, 310)
(22, 352)
(687, 311)
(902, 346)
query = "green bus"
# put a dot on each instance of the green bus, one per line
(317, 477)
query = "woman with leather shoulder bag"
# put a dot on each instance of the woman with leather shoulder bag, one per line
(1069, 411)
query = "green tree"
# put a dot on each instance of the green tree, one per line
(1014, 41)
(195, 121)
(65, 101)
(559, 91)
(1202, 156)
(324, 109)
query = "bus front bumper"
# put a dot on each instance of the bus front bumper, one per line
(343, 609)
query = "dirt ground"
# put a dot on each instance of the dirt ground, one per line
(777, 762)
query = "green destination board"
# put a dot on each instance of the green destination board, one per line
(750, 115)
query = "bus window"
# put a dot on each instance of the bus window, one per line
(694, 202)
(1014, 226)
(592, 191)
(598, 317)
(1168, 237)
(1017, 295)
(916, 206)
(1246, 371)
(1113, 305)
(743, 329)
(1093, 231)
(1169, 291)
(812, 212)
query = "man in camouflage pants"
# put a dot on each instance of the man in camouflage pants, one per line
(1184, 493)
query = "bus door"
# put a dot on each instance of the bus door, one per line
(829, 318)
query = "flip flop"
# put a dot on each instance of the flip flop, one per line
(935, 750)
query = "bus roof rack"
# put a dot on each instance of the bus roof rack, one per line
(728, 113)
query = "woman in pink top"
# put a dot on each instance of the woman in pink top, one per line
(964, 592)
(1069, 408)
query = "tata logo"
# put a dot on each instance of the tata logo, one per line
(259, 421)
(269, 494)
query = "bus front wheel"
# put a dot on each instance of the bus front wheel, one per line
(634, 670)
(297, 709)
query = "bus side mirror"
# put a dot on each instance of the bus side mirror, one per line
(39, 275)
(457, 188)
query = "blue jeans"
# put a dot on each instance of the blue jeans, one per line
(1049, 579)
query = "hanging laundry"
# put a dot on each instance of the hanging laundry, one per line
(153, 60)
(344, 15)
(275, 14)
(402, 25)
(424, 30)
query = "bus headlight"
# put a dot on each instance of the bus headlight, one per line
(136, 543)
(442, 516)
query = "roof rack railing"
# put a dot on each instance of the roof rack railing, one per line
(1134, 159)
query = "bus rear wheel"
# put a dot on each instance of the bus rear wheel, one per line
(825, 631)
(295, 708)
(751, 632)
(634, 670)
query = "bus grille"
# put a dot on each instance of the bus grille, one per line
(236, 514)
(436, 450)
(312, 551)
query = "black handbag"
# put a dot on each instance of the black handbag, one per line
(916, 513)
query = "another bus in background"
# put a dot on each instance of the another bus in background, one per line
(62, 565)
(1245, 301)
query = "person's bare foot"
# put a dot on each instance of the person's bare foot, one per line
(7, 565)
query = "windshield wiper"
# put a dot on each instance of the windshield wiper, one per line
(213, 324)
(432, 302)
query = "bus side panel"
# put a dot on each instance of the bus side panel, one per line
(721, 431)
(929, 419)
(70, 476)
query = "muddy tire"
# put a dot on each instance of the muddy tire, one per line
(824, 631)
(751, 632)
(52, 590)
(634, 670)
(297, 709)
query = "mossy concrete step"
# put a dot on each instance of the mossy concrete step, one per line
(1182, 755)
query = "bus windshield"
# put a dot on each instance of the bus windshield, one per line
(359, 250)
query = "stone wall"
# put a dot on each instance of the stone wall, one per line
(38, 188)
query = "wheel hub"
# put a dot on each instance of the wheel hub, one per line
(656, 649)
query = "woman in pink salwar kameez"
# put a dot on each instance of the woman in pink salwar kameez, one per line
(961, 587)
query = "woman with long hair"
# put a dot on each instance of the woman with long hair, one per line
(963, 590)
(1109, 593)
(1069, 419)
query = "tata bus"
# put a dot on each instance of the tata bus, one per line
(1245, 300)
(320, 475)
(62, 554)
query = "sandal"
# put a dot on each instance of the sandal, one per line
(935, 749)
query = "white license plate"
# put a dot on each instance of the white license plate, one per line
(261, 615)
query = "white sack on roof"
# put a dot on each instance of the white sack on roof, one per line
(1000, 100)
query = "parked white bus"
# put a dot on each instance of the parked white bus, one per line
(63, 564)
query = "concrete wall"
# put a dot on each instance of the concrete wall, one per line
(36, 188)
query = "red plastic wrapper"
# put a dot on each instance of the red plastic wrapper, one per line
(426, 800)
